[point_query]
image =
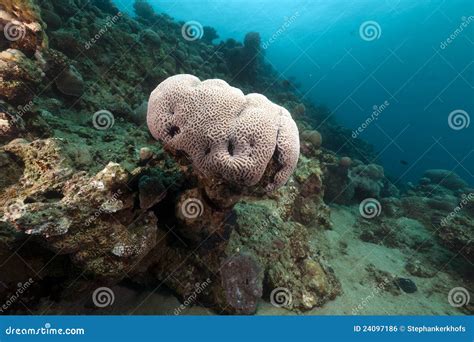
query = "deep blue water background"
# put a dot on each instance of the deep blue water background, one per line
(406, 66)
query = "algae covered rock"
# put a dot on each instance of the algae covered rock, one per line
(441, 205)
(419, 269)
(348, 181)
(242, 253)
(446, 178)
(70, 82)
(22, 27)
(309, 207)
(338, 186)
(11, 123)
(242, 282)
(244, 61)
(209, 34)
(457, 235)
(19, 75)
(367, 180)
(313, 137)
(283, 253)
(91, 219)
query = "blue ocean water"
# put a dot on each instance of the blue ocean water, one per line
(410, 62)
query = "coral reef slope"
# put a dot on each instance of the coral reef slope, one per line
(253, 213)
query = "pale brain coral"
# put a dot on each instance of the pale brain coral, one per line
(226, 134)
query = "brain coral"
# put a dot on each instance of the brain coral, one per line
(226, 134)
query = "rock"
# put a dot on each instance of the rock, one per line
(243, 61)
(389, 189)
(19, 74)
(202, 221)
(67, 41)
(144, 10)
(299, 110)
(107, 6)
(151, 191)
(209, 34)
(392, 206)
(445, 203)
(70, 82)
(308, 207)
(367, 181)
(318, 280)
(380, 233)
(139, 113)
(424, 181)
(242, 283)
(252, 237)
(450, 217)
(112, 177)
(22, 27)
(446, 178)
(180, 56)
(457, 234)
(9, 125)
(80, 156)
(277, 246)
(384, 280)
(338, 187)
(418, 269)
(345, 162)
(52, 20)
(407, 285)
(145, 154)
(88, 218)
(151, 37)
(313, 137)
(10, 171)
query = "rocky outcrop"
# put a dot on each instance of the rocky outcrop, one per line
(91, 219)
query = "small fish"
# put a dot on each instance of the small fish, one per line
(403, 162)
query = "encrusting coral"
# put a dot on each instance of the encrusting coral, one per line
(225, 133)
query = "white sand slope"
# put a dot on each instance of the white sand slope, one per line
(350, 257)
